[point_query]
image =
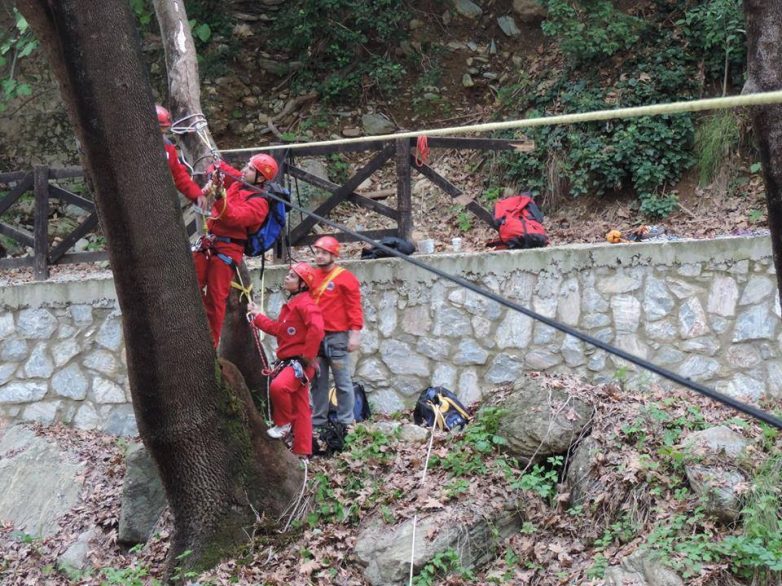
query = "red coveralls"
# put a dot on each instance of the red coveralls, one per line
(184, 183)
(299, 331)
(234, 216)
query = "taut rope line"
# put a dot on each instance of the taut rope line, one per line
(758, 99)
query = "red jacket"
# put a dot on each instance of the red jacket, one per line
(184, 183)
(339, 299)
(237, 214)
(299, 329)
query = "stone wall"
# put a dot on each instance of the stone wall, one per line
(705, 309)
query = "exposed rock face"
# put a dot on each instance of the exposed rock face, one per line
(581, 479)
(643, 568)
(143, 498)
(38, 482)
(541, 421)
(713, 472)
(475, 535)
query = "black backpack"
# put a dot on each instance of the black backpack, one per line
(361, 410)
(439, 405)
(330, 439)
(398, 244)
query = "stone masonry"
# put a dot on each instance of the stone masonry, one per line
(705, 309)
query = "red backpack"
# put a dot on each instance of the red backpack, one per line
(520, 222)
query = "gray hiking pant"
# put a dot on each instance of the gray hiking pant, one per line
(333, 355)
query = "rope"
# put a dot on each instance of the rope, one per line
(243, 291)
(750, 410)
(301, 494)
(758, 99)
(437, 415)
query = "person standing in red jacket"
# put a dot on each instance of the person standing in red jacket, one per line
(182, 180)
(238, 211)
(299, 331)
(338, 294)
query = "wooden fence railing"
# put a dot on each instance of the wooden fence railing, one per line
(41, 181)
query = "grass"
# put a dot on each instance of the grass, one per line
(716, 140)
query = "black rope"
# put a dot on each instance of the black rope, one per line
(637, 360)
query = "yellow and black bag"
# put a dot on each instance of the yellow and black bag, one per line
(439, 406)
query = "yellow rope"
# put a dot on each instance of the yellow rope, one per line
(246, 291)
(759, 99)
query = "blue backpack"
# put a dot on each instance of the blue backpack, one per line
(361, 410)
(264, 238)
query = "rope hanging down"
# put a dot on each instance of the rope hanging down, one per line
(745, 408)
(759, 99)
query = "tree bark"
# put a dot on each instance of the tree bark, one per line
(184, 84)
(197, 420)
(764, 56)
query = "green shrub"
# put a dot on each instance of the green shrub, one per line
(714, 29)
(341, 43)
(590, 29)
(18, 43)
(440, 566)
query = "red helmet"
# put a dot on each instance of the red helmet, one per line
(163, 116)
(265, 165)
(329, 244)
(305, 272)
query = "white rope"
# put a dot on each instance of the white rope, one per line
(301, 494)
(423, 480)
(759, 99)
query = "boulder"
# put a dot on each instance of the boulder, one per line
(76, 556)
(581, 479)
(385, 551)
(540, 421)
(143, 498)
(529, 10)
(467, 8)
(642, 568)
(712, 470)
(38, 482)
(376, 124)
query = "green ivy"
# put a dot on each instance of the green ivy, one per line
(15, 45)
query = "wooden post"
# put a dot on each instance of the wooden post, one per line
(403, 188)
(41, 223)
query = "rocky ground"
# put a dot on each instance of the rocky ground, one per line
(575, 514)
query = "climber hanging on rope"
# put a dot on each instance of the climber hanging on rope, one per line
(236, 212)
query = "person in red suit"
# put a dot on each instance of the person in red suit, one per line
(299, 331)
(237, 211)
(338, 294)
(182, 180)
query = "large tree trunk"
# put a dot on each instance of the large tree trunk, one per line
(215, 461)
(764, 73)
